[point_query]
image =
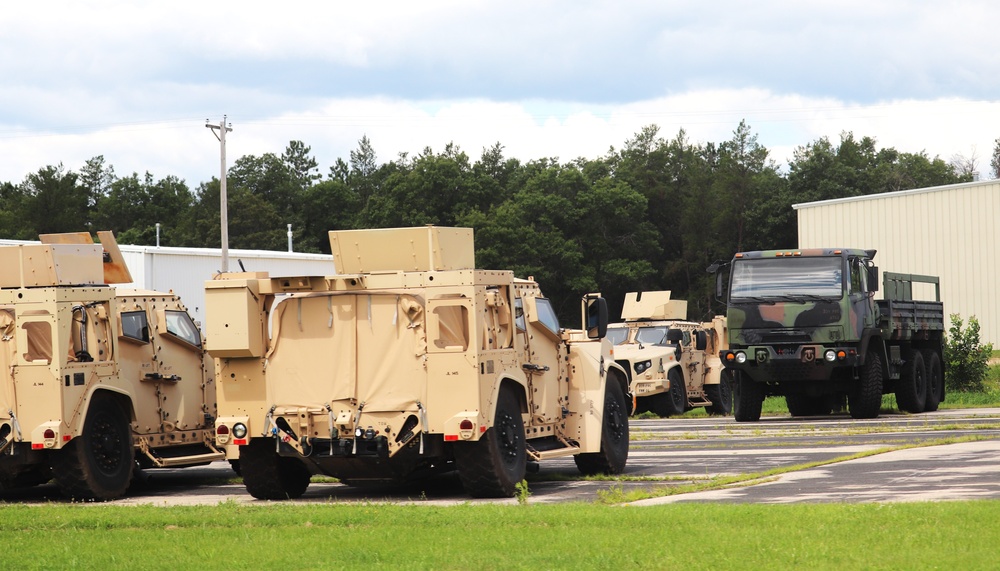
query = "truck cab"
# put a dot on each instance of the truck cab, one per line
(805, 324)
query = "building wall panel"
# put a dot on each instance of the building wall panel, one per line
(947, 231)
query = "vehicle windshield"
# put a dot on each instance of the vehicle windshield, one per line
(652, 335)
(767, 278)
(617, 335)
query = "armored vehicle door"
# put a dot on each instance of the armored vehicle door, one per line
(161, 352)
(543, 359)
(182, 363)
(863, 311)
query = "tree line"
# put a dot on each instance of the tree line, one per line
(650, 215)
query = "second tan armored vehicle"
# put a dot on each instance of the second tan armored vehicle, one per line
(673, 364)
(409, 362)
(95, 382)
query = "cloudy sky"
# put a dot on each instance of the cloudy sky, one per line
(135, 81)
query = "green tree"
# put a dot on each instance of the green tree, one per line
(432, 189)
(995, 159)
(966, 359)
(133, 207)
(53, 201)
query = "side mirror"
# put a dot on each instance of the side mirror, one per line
(718, 287)
(595, 316)
(873, 278)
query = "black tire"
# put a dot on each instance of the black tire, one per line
(798, 405)
(865, 398)
(721, 395)
(97, 465)
(674, 401)
(748, 398)
(493, 466)
(807, 405)
(30, 477)
(935, 380)
(614, 436)
(268, 476)
(911, 390)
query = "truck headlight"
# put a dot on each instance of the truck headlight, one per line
(239, 430)
(830, 355)
(741, 357)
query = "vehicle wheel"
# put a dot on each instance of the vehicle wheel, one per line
(748, 398)
(268, 476)
(30, 477)
(935, 380)
(798, 405)
(721, 395)
(496, 463)
(865, 398)
(97, 465)
(806, 405)
(614, 436)
(672, 402)
(911, 391)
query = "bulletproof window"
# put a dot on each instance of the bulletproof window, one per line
(547, 315)
(135, 326)
(39, 334)
(652, 335)
(452, 327)
(617, 335)
(519, 314)
(180, 325)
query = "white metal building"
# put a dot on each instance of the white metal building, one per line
(946, 231)
(185, 270)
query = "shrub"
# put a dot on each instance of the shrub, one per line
(966, 360)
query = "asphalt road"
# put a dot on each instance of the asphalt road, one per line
(669, 453)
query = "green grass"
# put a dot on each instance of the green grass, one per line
(947, 535)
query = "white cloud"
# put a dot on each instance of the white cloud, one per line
(135, 82)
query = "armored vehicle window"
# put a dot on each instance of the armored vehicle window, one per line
(519, 314)
(135, 326)
(617, 335)
(39, 341)
(547, 315)
(180, 325)
(453, 327)
(651, 335)
(785, 277)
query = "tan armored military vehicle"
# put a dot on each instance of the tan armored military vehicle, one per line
(408, 363)
(95, 382)
(690, 374)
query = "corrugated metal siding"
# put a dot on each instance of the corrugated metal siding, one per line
(949, 231)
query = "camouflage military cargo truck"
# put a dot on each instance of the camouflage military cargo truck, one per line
(409, 362)
(95, 382)
(673, 364)
(805, 324)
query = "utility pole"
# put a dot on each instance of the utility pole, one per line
(220, 131)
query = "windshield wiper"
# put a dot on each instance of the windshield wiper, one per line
(766, 300)
(806, 297)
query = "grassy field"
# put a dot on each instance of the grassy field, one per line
(956, 535)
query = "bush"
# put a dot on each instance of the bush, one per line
(966, 360)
